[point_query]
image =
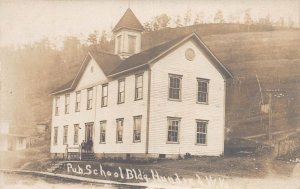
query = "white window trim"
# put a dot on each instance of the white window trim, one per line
(65, 141)
(202, 80)
(57, 103)
(100, 139)
(141, 118)
(135, 88)
(87, 102)
(76, 125)
(67, 106)
(179, 126)
(180, 89)
(104, 85)
(55, 139)
(196, 143)
(119, 81)
(119, 119)
(79, 102)
(134, 45)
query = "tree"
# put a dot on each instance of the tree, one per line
(161, 21)
(219, 17)
(178, 22)
(93, 39)
(199, 19)
(290, 23)
(187, 17)
(104, 41)
(265, 21)
(157, 22)
(148, 26)
(247, 17)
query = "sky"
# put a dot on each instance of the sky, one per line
(27, 21)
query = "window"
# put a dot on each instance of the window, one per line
(20, 141)
(55, 135)
(104, 95)
(67, 103)
(76, 129)
(121, 91)
(89, 98)
(102, 131)
(175, 87)
(131, 44)
(202, 92)
(120, 130)
(57, 105)
(201, 133)
(137, 121)
(173, 130)
(138, 87)
(65, 139)
(119, 43)
(77, 103)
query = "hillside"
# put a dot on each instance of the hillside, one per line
(273, 55)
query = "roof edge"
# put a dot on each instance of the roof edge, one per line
(193, 34)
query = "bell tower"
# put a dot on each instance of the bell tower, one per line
(127, 34)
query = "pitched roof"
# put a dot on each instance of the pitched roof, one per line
(130, 21)
(112, 65)
(106, 61)
(142, 58)
(153, 54)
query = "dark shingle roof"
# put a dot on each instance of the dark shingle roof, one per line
(144, 57)
(106, 61)
(130, 21)
(112, 65)
(152, 54)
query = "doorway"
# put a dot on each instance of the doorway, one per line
(89, 132)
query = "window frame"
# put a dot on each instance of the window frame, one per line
(169, 86)
(178, 130)
(67, 103)
(89, 101)
(55, 136)
(77, 103)
(122, 121)
(119, 43)
(136, 88)
(57, 101)
(100, 138)
(76, 128)
(65, 135)
(197, 92)
(134, 43)
(206, 134)
(140, 128)
(102, 96)
(119, 92)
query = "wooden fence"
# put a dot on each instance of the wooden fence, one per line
(288, 146)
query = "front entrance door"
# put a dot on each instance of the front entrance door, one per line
(89, 132)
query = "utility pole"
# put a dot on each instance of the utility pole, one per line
(270, 116)
(276, 93)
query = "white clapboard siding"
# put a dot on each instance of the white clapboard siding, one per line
(160, 108)
(110, 113)
(126, 110)
(187, 109)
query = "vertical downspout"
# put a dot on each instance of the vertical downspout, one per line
(148, 111)
(224, 116)
(95, 116)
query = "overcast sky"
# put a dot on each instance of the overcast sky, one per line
(24, 22)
